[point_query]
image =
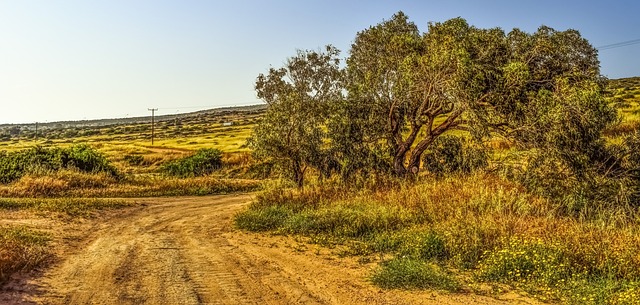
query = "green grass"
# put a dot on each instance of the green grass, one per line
(409, 273)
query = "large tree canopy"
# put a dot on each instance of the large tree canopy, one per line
(417, 87)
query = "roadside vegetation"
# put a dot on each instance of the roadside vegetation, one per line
(68, 206)
(21, 249)
(459, 159)
(456, 232)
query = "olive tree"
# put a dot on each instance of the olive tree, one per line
(406, 88)
(298, 96)
(416, 86)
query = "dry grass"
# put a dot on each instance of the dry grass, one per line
(155, 186)
(21, 249)
(56, 184)
(74, 207)
(78, 185)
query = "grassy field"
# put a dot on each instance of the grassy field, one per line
(624, 94)
(129, 149)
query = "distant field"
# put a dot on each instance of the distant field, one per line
(122, 143)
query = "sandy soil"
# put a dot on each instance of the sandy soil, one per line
(185, 251)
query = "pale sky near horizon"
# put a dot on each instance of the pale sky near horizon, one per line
(80, 59)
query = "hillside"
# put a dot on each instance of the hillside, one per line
(215, 112)
(166, 126)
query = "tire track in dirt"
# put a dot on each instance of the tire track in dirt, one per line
(183, 250)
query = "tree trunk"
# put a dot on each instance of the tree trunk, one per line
(298, 173)
(398, 165)
(416, 154)
(300, 180)
(414, 163)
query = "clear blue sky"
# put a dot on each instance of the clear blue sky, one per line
(70, 60)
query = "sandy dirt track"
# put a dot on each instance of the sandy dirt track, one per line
(184, 250)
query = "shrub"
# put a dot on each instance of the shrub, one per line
(43, 160)
(205, 161)
(418, 244)
(86, 159)
(351, 221)
(451, 154)
(266, 219)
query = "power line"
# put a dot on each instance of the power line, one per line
(187, 107)
(210, 106)
(619, 44)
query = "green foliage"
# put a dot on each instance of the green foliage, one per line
(420, 244)
(398, 82)
(451, 155)
(87, 159)
(408, 273)
(353, 221)
(14, 165)
(405, 89)
(592, 178)
(267, 219)
(298, 96)
(204, 162)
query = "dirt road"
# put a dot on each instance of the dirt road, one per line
(185, 251)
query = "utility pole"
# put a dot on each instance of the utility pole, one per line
(153, 111)
(36, 135)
